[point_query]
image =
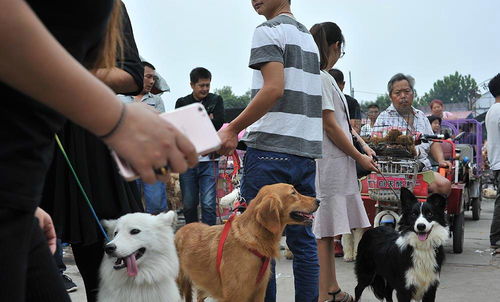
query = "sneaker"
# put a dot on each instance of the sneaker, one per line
(338, 249)
(68, 283)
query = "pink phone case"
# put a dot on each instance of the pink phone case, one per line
(194, 122)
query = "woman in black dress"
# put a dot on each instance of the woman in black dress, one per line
(42, 81)
(111, 196)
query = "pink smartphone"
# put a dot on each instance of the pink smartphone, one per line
(194, 122)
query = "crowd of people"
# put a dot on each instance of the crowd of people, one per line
(300, 129)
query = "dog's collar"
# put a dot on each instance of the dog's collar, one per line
(225, 232)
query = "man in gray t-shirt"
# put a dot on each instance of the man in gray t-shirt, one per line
(493, 129)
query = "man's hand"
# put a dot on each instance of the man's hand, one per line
(444, 164)
(47, 227)
(229, 140)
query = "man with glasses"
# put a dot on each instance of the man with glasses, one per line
(403, 116)
(155, 195)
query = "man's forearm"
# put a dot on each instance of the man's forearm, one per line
(273, 75)
(258, 107)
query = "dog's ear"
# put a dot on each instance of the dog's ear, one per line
(268, 213)
(169, 218)
(438, 201)
(109, 225)
(407, 198)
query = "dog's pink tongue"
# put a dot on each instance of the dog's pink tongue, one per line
(422, 237)
(131, 266)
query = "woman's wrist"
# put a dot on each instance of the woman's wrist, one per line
(117, 125)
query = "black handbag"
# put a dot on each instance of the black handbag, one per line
(360, 171)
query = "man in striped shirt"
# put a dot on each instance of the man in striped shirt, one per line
(284, 128)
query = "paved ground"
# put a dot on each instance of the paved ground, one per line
(473, 275)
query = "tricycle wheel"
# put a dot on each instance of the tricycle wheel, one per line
(476, 208)
(458, 233)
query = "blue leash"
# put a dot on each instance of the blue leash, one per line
(81, 189)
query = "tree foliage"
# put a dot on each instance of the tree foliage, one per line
(455, 88)
(382, 101)
(231, 100)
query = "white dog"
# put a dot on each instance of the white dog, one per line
(229, 201)
(140, 263)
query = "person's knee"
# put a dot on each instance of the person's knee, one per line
(446, 186)
(440, 185)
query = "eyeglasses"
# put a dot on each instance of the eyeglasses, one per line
(407, 91)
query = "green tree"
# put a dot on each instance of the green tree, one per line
(382, 101)
(231, 100)
(455, 88)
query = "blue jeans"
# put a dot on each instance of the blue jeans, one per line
(264, 168)
(155, 196)
(199, 183)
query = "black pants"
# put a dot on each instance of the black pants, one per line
(88, 259)
(27, 269)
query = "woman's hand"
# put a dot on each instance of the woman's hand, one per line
(369, 151)
(368, 163)
(47, 228)
(149, 142)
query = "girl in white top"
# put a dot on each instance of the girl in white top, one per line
(341, 208)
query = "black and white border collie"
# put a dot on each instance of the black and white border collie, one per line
(408, 260)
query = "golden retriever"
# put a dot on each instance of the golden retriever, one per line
(258, 228)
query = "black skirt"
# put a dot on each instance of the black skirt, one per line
(110, 195)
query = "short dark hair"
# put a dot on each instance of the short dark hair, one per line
(432, 118)
(147, 64)
(494, 86)
(199, 73)
(374, 106)
(326, 34)
(337, 75)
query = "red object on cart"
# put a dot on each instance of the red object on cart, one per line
(228, 170)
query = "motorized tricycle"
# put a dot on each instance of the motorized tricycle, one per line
(399, 167)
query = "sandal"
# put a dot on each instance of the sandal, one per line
(346, 298)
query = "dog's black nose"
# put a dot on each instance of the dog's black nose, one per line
(109, 248)
(421, 227)
(317, 202)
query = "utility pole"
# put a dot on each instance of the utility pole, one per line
(350, 84)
